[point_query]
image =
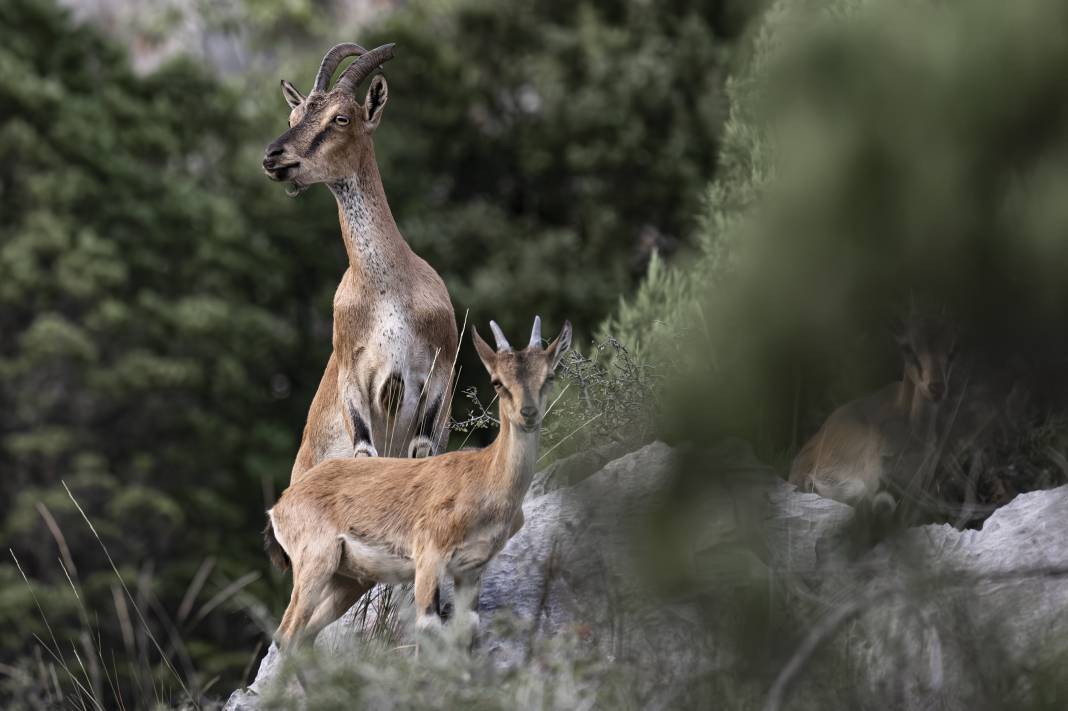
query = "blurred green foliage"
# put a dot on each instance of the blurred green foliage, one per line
(155, 303)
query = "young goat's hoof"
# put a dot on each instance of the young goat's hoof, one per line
(365, 449)
(428, 624)
(420, 447)
(467, 620)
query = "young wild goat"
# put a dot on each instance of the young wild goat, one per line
(387, 386)
(869, 441)
(352, 523)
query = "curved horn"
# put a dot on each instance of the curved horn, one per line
(535, 334)
(502, 342)
(367, 63)
(333, 58)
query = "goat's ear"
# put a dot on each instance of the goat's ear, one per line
(292, 95)
(377, 96)
(485, 352)
(560, 346)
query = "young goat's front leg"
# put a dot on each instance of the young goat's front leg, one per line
(428, 569)
(465, 605)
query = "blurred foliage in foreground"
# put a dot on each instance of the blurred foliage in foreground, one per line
(896, 155)
(165, 311)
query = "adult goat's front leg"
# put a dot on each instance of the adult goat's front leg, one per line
(423, 443)
(358, 418)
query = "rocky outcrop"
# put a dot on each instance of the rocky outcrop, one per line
(918, 605)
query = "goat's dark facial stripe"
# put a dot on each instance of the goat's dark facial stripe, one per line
(318, 140)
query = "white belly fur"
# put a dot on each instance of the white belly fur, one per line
(367, 562)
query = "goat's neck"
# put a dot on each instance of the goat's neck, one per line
(375, 246)
(512, 458)
(920, 411)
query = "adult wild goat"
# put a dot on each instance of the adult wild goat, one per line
(387, 385)
(354, 522)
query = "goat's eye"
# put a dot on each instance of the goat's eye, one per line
(496, 384)
(341, 120)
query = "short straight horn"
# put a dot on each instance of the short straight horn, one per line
(367, 63)
(535, 334)
(333, 58)
(502, 342)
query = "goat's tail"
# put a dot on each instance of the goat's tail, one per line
(275, 552)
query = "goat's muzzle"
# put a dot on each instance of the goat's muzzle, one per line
(937, 391)
(280, 169)
(531, 420)
(278, 164)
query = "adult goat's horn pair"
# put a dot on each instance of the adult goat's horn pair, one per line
(366, 63)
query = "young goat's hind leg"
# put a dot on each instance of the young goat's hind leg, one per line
(312, 584)
(340, 596)
(302, 605)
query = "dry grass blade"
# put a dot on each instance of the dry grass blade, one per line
(223, 595)
(63, 665)
(246, 673)
(553, 403)
(569, 436)
(129, 595)
(445, 410)
(420, 409)
(36, 602)
(54, 654)
(122, 612)
(177, 644)
(73, 587)
(85, 672)
(57, 534)
(195, 586)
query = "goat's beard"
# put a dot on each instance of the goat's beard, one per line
(296, 188)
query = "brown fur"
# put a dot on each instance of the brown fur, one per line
(393, 319)
(847, 458)
(355, 522)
